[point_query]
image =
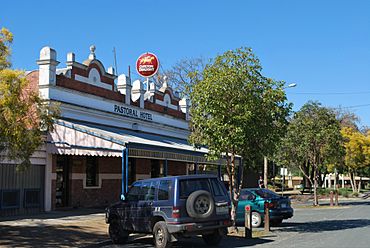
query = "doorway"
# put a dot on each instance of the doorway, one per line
(62, 182)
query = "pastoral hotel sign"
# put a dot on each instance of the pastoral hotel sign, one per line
(133, 113)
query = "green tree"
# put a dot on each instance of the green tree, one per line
(237, 111)
(357, 147)
(24, 117)
(313, 141)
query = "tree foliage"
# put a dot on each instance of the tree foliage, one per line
(357, 147)
(313, 141)
(24, 117)
(237, 111)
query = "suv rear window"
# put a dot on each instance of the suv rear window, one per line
(188, 186)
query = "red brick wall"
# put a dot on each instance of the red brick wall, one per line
(108, 193)
(162, 109)
(143, 166)
(176, 168)
(65, 82)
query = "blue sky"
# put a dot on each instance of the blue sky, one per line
(323, 46)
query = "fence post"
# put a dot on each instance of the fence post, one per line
(248, 222)
(267, 216)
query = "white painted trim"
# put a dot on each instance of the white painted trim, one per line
(162, 103)
(98, 84)
(102, 176)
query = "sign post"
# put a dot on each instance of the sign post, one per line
(147, 66)
(248, 222)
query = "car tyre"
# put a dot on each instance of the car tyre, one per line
(161, 236)
(200, 204)
(116, 233)
(212, 239)
(256, 219)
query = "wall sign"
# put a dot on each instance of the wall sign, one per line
(133, 113)
(147, 64)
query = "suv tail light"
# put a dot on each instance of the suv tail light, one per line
(175, 212)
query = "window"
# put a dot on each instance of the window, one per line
(142, 191)
(31, 198)
(10, 198)
(92, 172)
(164, 189)
(217, 190)
(189, 186)
(246, 195)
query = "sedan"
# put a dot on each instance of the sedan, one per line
(280, 206)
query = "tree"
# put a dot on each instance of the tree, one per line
(183, 75)
(357, 147)
(313, 141)
(24, 117)
(237, 111)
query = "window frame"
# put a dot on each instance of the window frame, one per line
(12, 206)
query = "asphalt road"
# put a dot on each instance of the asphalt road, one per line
(347, 226)
(329, 227)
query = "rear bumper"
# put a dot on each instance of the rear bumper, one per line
(196, 227)
(281, 214)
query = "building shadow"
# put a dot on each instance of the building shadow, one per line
(192, 242)
(47, 236)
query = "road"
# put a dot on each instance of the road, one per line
(329, 227)
(347, 225)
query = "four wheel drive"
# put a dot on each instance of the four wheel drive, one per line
(170, 208)
(256, 197)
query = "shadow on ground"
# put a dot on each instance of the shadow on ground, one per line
(47, 236)
(54, 214)
(324, 225)
(193, 242)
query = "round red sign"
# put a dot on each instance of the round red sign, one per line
(147, 64)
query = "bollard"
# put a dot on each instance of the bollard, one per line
(267, 216)
(336, 196)
(248, 222)
(331, 198)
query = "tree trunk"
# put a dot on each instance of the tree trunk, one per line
(316, 199)
(353, 182)
(265, 171)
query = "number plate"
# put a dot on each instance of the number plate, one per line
(283, 205)
(222, 210)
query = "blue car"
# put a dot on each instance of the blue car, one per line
(171, 208)
(280, 207)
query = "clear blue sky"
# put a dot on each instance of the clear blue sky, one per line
(323, 46)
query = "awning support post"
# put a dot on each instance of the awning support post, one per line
(123, 169)
(165, 169)
(124, 184)
(126, 163)
(196, 168)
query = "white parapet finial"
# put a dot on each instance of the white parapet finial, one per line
(92, 52)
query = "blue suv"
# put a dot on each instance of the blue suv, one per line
(170, 208)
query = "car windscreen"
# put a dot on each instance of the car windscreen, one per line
(265, 193)
(188, 186)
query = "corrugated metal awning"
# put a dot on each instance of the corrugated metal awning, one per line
(75, 138)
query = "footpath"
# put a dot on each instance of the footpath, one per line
(73, 228)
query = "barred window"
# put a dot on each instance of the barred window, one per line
(10, 198)
(92, 172)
